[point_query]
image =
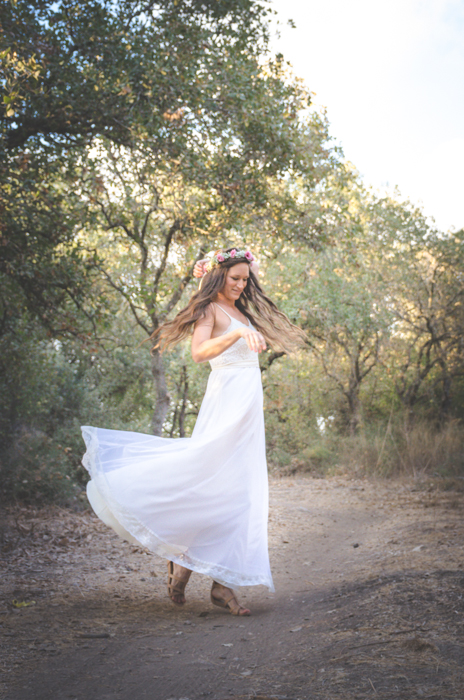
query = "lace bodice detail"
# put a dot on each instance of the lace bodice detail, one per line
(239, 354)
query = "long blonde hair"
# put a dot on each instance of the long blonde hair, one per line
(280, 333)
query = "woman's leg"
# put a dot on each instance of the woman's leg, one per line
(178, 577)
(225, 598)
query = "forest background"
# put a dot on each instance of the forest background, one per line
(136, 137)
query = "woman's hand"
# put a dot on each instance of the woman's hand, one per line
(199, 268)
(255, 340)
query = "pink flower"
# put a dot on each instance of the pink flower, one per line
(233, 253)
(249, 256)
(220, 258)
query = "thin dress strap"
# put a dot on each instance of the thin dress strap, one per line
(220, 307)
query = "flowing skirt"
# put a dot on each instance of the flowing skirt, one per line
(202, 501)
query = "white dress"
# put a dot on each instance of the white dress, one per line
(202, 501)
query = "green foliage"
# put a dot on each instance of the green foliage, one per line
(54, 389)
(74, 70)
(42, 270)
(40, 397)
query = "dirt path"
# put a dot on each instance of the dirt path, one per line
(369, 604)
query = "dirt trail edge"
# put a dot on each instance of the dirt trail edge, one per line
(368, 604)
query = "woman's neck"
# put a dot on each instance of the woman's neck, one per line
(221, 299)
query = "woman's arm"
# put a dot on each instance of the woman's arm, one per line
(205, 348)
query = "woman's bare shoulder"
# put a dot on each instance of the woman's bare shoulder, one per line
(208, 318)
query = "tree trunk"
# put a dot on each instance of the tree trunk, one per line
(352, 395)
(445, 407)
(183, 408)
(409, 401)
(355, 414)
(161, 392)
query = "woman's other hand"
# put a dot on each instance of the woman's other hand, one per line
(255, 340)
(199, 267)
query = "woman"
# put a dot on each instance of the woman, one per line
(202, 502)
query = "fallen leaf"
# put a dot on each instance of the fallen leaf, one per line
(22, 604)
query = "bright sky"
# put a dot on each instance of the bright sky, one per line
(391, 74)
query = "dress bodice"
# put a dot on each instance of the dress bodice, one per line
(239, 354)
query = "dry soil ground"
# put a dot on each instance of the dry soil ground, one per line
(368, 604)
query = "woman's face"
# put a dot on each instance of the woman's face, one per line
(236, 281)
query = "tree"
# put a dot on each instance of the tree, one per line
(182, 82)
(426, 294)
(75, 70)
(42, 272)
(336, 292)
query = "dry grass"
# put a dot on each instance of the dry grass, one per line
(419, 452)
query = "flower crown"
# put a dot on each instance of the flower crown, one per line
(219, 258)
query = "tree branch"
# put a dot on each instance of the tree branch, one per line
(132, 306)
